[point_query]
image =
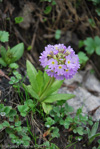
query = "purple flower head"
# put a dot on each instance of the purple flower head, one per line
(62, 61)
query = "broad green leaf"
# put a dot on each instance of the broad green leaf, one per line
(46, 78)
(46, 107)
(39, 79)
(31, 72)
(93, 130)
(3, 51)
(17, 51)
(93, 137)
(2, 62)
(57, 97)
(97, 50)
(55, 86)
(4, 36)
(30, 90)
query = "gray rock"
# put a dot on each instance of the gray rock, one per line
(96, 115)
(83, 99)
(92, 83)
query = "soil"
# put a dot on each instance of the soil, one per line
(38, 30)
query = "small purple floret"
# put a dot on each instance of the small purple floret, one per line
(62, 61)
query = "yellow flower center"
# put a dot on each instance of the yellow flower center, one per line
(53, 62)
(60, 67)
(68, 62)
(66, 70)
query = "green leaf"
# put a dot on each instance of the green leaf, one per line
(3, 51)
(98, 11)
(19, 128)
(19, 20)
(93, 130)
(93, 137)
(31, 72)
(2, 62)
(97, 50)
(69, 119)
(30, 90)
(29, 103)
(5, 124)
(46, 107)
(66, 124)
(55, 133)
(23, 109)
(17, 52)
(1, 107)
(79, 130)
(18, 123)
(92, 22)
(82, 57)
(49, 122)
(55, 86)
(26, 138)
(97, 41)
(39, 79)
(90, 45)
(12, 136)
(4, 36)
(88, 41)
(46, 78)
(47, 9)
(81, 43)
(57, 97)
(68, 108)
(57, 34)
(13, 66)
(7, 109)
(1, 126)
(89, 50)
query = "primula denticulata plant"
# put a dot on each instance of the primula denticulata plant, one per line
(60, 62)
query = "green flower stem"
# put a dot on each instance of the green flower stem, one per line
(46, 89)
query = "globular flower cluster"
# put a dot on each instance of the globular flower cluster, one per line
(61, 61)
